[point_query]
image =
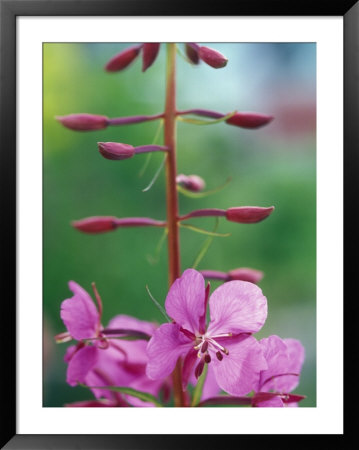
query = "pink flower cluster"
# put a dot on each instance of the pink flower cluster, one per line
(99, 359)
(237, 362)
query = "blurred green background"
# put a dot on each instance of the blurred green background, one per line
(274, 165)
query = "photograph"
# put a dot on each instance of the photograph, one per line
(179, 224)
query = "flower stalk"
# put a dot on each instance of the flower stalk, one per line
(116, 361)
(174, 268)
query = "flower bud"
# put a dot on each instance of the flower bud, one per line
(248, 214)
(102, 224)
(249, 120)
(83, 122)
(192, 183)
(149, 54)
(245, 274)
(292, 398)
(95, 224)
(123, 59)
(192, 54)
(115, 150)
(212, 57)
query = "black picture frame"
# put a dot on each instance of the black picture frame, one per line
(9, 10)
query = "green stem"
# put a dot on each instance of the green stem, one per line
(174, 269)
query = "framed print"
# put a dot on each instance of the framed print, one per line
(177, 211)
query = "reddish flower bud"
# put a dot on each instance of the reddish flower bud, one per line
(192, 54)
(123, 59)
(249, 120)
(102, 224)
(245, 274)
(115, 150)
(292, 398)
(95, 224)
(192, 183)
(248, 214)
(83, 122)
(212, 57)
(149, 54)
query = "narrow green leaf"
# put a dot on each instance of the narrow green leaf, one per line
(154, 259)
(202, 231)
(197, 394)
(205, 246)
(205, 193)
(148, 157)
(156, 175)
(144, 396)
(206, 122)
(160, 307)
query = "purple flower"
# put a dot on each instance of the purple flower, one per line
(100, 361)
(285, 359)
(237, 309)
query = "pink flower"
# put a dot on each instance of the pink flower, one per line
(237, 309)
(285, 359)
(99, 360)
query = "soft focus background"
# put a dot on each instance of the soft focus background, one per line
(274, 165)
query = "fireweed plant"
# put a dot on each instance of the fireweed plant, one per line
(131, 362)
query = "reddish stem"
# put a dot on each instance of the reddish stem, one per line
(174, 269)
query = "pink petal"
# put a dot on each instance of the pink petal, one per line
(284, 357)
(70, 351)
(275, 352)
(238, 372)
(210, 388)
(185, 300)
(136, 353)
(165, 347)
(296, 354)
(112, 369)
(80, 364)
(188, 365)
(144, 384)
(274, 402)
(131, 323)
(237, 307)
(79, 313)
